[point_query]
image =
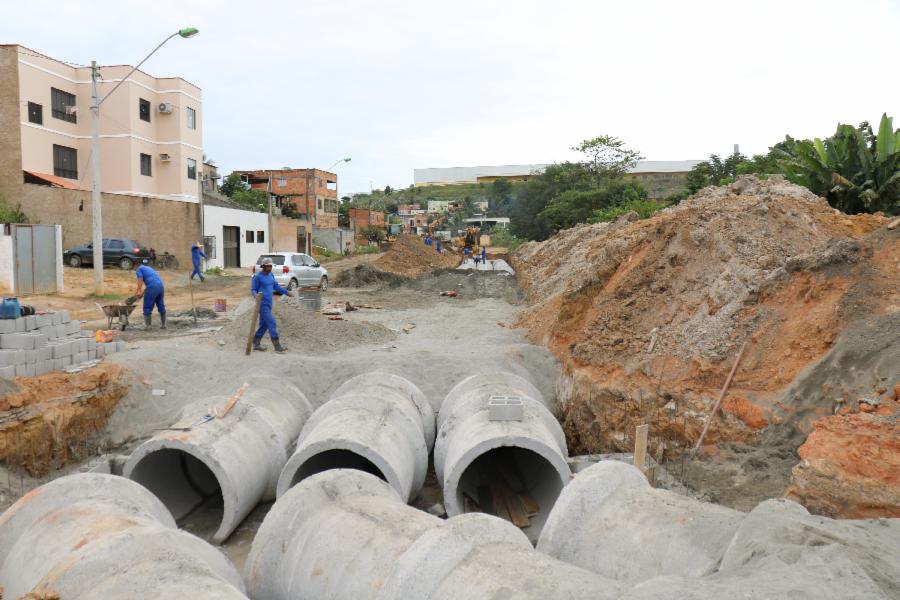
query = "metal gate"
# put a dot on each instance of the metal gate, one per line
(35, 259)
(231, 247)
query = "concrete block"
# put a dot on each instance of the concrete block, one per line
(121, 346)
(16, 341)
(82, 344)
(30, 323)
(79, 358)
(20, 325)
(49, 331)
(62, 363)
(44, 353)
(11, 358)
(63, 316)
(31, 356)
(61, 331)
(101, 350)
(74, 326)
(61, 350)
(8, 325)
(8, 371)
(92, 354)
(92, 343)
(43, 367)
(55, 318)
(42, 320)
(110, 347)
(24, 370)
(40, 340)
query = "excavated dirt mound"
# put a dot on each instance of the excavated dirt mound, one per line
(304, 330)
(365, 276)
(649, 315)
(45, 420)
(410, 257)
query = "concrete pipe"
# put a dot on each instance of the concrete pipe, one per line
(375, 422)
(93, 536)
(345, 535)
(223, 466)
(610, 521)
(490, 465)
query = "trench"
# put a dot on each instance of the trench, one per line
(186, 486)
(511, 483)
(335, 459)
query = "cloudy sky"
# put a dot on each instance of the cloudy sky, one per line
(400, 84)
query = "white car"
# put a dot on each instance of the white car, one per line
(295, 269)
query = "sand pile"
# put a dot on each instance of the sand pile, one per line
(648, 316)
(410, 257)
(304, 330)
(367, 276)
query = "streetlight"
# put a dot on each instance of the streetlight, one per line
(339, 161)
(96, 101)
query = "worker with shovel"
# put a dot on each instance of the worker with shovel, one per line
(264, 283)
(150, 286)
(196, 253)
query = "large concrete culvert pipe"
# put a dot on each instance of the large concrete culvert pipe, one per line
(93, 536)
(609, 520)
(225, 465)
(375, 422)
(346, 535)
(511, 468)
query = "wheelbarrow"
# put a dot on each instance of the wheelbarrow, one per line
(117, 313)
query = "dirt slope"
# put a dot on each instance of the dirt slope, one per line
(410, 257)
(648, 317)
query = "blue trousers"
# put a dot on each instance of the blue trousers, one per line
(266, 322)
(154, 295)
(196, 271)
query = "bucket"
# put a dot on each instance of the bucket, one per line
(10, 309)
(219, 305)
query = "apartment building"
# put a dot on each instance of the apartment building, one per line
(311, 193)
(150, 128)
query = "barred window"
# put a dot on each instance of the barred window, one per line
(63, 105)
(65, 162)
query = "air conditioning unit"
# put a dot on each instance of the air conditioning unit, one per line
(164, 157)
(165, 107)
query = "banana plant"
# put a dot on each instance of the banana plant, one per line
(855, 170)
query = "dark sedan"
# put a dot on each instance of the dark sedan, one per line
(123, 252)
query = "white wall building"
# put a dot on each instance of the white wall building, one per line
(233, 238)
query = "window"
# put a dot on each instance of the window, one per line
(63, 104)
(209, 246)
(260, 237)
(191, 118)
(35, 113)
(192, 168)
(65, 162)
(282, 183)
(115, 245)
(320, 204)
(249, 237)
(144, 109)
(297, 260)
(146, 165)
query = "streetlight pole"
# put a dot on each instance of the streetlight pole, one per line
(96, 210)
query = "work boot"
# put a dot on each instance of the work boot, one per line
(202, 278)
(148, 319)
(256, 344)
(162, 318)
(278, 347)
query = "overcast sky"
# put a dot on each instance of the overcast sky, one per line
(401, 84)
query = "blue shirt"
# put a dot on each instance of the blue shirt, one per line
(265, 285)
(196, 253)
(150, 277)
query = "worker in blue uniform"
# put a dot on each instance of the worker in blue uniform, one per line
(264, 283)
(150, 287)
(196, 253)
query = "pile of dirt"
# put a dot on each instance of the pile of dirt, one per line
(648, 316)
(365, 275)
(304, 330)
(469, 284)
(45, 421)
(410, 257)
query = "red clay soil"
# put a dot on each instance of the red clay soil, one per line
(43, 418)
(410, 257)
(647, 317)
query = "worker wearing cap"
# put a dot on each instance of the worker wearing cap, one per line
(150, 286)
(196, 253)
(264, 283)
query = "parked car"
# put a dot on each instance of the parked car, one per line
(295, 269)
(123, 252)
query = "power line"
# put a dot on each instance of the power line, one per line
(65, 62)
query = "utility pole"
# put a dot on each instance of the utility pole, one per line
(96, 210)
(269, 195)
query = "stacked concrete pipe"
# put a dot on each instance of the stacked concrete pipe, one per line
(468, 441)
(375, 422)
(93, 536)
(611, 521)
(237, 457)
(345, 535)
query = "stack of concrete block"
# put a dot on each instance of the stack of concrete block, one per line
(37, 344)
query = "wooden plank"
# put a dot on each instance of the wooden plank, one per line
(499, 502)
(712, 413)
(232, 401)
(640, 446)
(516, 509)
(531, 507)
(469, 505)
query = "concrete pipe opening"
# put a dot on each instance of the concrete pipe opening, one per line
(186, 486)
(513, 483)
(335, 459)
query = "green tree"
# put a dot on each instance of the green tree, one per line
(607, 157)
(257, 200)
(533, 196)
(11, 215)
(388, 190)
(344, 213)
(373, 234)
(854, 169)
(500, 195)
(232, 184)
(573, 207)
